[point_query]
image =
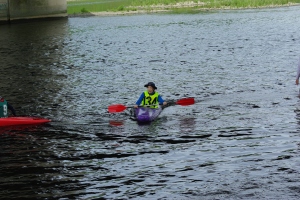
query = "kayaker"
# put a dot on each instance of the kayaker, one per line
(150, 97)
(298, 73)
(4, 105)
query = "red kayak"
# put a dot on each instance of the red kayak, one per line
(15, 121)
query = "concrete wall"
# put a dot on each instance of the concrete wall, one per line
(29, 9)
(3, 11)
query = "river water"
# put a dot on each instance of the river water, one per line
(240, 140)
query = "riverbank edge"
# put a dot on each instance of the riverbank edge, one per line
(170, 9)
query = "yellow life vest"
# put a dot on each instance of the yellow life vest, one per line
(150, 99)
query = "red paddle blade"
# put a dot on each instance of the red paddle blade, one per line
(116, 108)
(186, 101)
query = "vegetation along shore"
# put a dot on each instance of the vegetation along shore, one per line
(122, 7)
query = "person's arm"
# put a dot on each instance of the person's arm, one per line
(139, 101)
(11, 109)
(298, 73)
(161, 101)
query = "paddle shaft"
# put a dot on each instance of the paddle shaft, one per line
(120, 108)
(143, 106)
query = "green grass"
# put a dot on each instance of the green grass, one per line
(155, 2)
(246, 3)
(85, 6)
(78, 6)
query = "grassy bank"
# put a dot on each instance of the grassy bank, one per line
(248, 3)
(86, 6)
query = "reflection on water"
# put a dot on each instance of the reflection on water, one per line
(240, 140)
(187, 125)
(31, 64)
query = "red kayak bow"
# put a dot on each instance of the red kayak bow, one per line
(15, 121)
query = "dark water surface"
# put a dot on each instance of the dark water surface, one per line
(240, 140)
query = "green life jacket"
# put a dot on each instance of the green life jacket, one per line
(150, 99)
(3, 109)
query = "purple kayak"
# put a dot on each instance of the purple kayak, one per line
(144, 114)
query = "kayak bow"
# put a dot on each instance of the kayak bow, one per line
(146, 115)
(15, 121)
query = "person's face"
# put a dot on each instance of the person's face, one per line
(150, 89)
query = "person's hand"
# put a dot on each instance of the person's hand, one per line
(135, 106)
(297, 81)
(165, 103)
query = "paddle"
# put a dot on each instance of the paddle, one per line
(115, 108)
(185, 101)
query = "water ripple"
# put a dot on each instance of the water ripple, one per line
(238, 141)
